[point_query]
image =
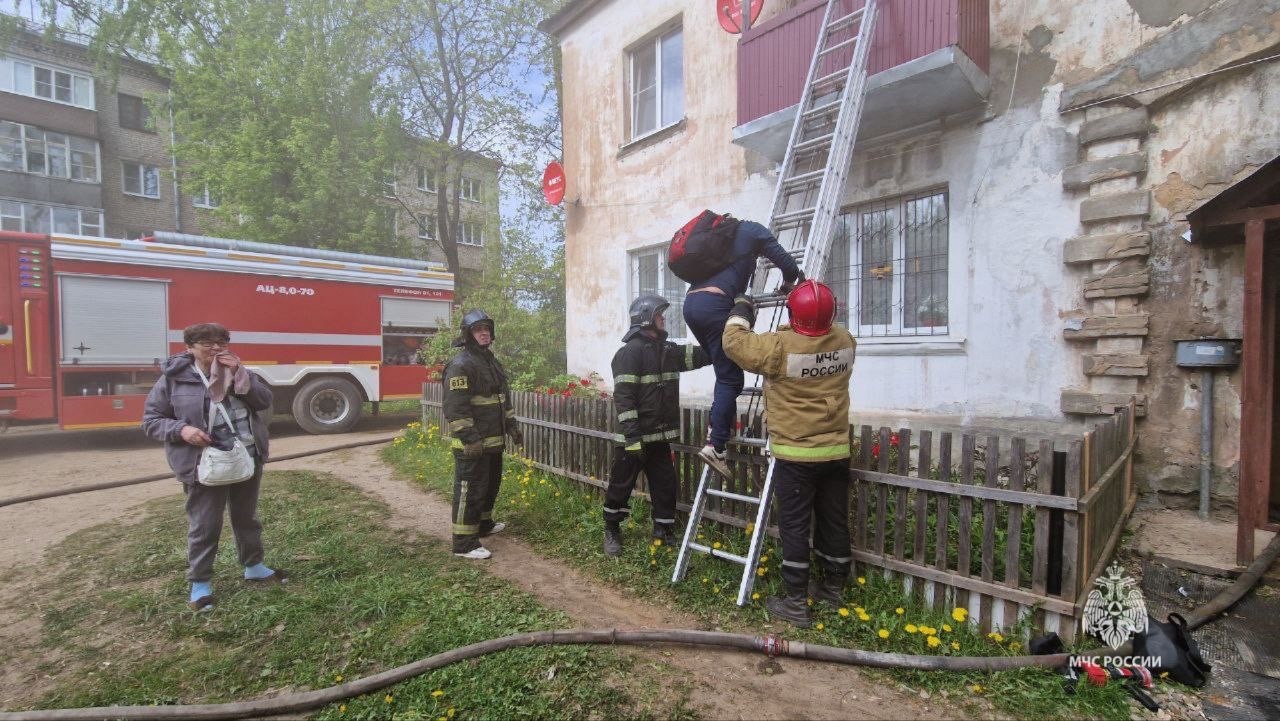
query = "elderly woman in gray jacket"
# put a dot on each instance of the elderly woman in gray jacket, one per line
(177, 413)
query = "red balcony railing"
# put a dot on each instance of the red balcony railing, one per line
(774, 56)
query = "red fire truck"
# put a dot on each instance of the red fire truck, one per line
(85, 323)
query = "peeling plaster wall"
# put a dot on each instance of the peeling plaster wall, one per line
(1203, 142)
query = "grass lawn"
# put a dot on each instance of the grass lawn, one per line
(561, 518)
(361, 600)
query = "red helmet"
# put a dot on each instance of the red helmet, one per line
(812, 307)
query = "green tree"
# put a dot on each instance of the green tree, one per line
(280, 108)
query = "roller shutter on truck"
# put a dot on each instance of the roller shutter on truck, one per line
(406, 313)
(107, 320)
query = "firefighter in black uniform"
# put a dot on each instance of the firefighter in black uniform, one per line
(477, 406)
(646, 384)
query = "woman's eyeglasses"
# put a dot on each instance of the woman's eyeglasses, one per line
(207, 344)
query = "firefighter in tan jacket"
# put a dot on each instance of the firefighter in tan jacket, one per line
(806, 367)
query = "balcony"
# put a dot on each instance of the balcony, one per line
(928, 61)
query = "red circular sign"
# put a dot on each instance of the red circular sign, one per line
(730, 14)
(553, 183)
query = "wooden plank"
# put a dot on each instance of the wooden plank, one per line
(1071, 522)
(900, 513)
(1012, 562)
(1099, 404)
(864, 488)
(979, 492)
(968, 445)
(1255, 411)
(1116, 364)
(1044, 484)
(882, 495)
(924, 465)
(966, 583)
(1106, 326)
(942, 538)
(991, 472)
(1113, 246)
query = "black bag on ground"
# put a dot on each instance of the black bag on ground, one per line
(703, 247)
(1179, 654)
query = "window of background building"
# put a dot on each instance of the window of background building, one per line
(470, 234)
(134, 113)
(204, 199)
(470, 189)
(26, 148)
(426, 180)
(27, 217)
(657, 83)
(389, 182)
(650, 274)
(889, 267)
(140, 179)
(426, 227)
(42, 81)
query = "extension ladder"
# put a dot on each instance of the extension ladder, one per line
(805, 203)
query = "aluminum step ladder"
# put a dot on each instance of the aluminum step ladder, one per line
(805, 202)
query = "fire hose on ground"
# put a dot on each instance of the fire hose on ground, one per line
(771, 645)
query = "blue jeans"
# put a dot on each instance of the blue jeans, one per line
(705, 314)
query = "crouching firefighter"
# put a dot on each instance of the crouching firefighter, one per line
(806, 367)
(646, 385)
(477, 406)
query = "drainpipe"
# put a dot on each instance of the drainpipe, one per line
(1206, 440)
(173, 160)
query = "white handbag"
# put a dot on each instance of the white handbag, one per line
(218, 467)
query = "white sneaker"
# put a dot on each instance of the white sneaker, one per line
(498, 527)
(479, 553)
(718, 460)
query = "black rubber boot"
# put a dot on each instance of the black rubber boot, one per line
(829, 590)
(612, 541)
(793, 608)
(664, 532)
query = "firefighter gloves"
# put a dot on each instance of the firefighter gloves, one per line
(744, 307)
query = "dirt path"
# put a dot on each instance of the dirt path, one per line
(727, 684)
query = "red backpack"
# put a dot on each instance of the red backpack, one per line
(703, 247)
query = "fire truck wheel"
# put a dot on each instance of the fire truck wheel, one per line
(327, 405)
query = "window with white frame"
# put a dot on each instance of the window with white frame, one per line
(657, 83)
(470, 189)
(27, 217)
(889, 267)
(205, 199)
(46, 82)
(426, 180)
(28, 149)
(650, 274)
(470, 233)
(141, 179)
(426, 227)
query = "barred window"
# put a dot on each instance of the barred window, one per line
(650, 274)
(889, 265)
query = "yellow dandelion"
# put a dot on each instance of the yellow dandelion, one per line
(910, 628)
(883, 633)
(715, 589)
(1015, 646)
(751, 527)
(899, 610)
(810, 601)
(859, 610)
(820, 626)
(955, 645)
(764, 559)
(928, 630)
(653, 563)
(657, 541)
(843, 612)
(946, 627)
(861, 580)
(450, 712)
(706, 580)
(437, 693)
(761, 571)
(716, 544)
(976, 688)
(959, 614)
(338, 678)
(755, 596)
(387, 699)
(934, 641)
(997, 637)
(342, 708)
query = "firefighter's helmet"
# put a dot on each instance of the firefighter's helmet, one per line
(645, 308)
(812, 307)
(477, 316)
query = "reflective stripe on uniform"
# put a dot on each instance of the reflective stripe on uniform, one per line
(665, 521)
(461, 423)
(486, 516)
(651, 378)
(466, 529)
(795, 564)
(616, 510)
(818, 453)
(511, 413)
(833, 559)
(633, 447)
(670, 435)
(739, 321)
(495, 442)
(628, 415)
(688, 356)
(486, 400)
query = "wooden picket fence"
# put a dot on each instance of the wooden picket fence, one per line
(1005, 526)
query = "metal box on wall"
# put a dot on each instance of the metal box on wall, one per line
(1208, 353)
